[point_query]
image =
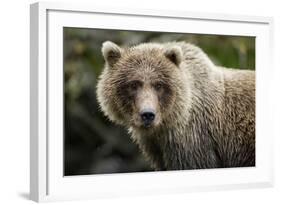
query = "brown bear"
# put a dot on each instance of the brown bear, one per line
(183, 111)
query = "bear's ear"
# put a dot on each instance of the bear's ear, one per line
(111, 52)
(174, 54)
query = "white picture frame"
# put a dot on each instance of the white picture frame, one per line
(47, 182)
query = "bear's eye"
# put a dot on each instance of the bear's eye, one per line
(158, 86)
(134, 85)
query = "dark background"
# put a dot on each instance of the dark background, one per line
(92, 144)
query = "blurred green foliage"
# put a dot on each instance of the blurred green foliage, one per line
(92, 144)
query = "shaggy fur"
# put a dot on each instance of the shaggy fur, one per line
(206, 113)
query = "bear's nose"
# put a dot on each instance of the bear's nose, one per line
(147, 116)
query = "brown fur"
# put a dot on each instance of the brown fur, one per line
(205, 114)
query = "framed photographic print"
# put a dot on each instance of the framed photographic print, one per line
(126, 102)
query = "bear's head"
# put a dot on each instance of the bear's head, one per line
(139, 85)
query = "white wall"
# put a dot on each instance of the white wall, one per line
(14, 103)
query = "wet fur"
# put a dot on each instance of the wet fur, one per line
(210, 118)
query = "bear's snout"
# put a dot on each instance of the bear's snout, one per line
(147, 116)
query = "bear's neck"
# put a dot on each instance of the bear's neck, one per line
(173, 149)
